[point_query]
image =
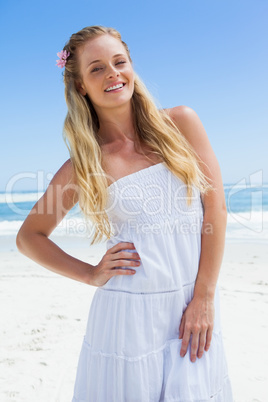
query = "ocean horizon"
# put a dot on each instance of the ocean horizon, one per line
(247, 208)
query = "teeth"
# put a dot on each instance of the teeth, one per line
(115, 87)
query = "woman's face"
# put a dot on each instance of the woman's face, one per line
(103, 64)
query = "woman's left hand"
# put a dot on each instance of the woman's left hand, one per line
(197, 320)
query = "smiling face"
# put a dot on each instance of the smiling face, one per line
(104, 64)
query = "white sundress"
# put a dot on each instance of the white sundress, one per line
(131, 350)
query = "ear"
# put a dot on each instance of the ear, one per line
(80, 88)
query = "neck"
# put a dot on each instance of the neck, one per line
(116, 125)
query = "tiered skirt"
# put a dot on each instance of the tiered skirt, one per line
(131, 352)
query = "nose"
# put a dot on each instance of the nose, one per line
(112, 71)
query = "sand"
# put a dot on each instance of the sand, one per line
(43, 320)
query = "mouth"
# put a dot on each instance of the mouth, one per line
(116, 88)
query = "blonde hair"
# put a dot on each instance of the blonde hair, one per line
(154, 127)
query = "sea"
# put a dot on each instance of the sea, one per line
(247, 206)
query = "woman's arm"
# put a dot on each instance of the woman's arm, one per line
(32, 239)
(198, 318)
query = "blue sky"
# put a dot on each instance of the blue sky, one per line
(210, 55)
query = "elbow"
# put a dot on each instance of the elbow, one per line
(224, 211)
(224, 214)
(19, 241)
(212, 213)
(25, 239)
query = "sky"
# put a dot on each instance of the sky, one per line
(210, 55)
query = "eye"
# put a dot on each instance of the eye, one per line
(96, 69)
(100, 68)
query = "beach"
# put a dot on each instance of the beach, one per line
(44, 316)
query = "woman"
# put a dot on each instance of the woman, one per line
(149, 181)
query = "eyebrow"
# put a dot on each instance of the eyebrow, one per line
(97, 61)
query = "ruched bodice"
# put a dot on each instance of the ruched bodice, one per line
(149, 208)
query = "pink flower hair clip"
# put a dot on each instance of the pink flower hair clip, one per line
(63, 56)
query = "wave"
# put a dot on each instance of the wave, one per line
(20, 197)
(69, 226)
(240, 227)
(30, 196)
(245, 187)
(247, 226)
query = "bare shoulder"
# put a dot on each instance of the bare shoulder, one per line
(65, 173)
(178, 110)
(183, 116)
(64, 182)
(191, 127)
(60, 196)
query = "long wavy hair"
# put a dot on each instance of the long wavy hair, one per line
(154, 128)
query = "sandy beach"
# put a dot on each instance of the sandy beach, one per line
(44, 315)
